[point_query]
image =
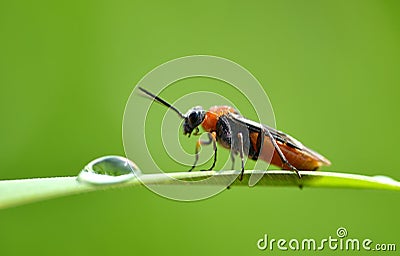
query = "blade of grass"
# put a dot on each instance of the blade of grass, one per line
(19, 192)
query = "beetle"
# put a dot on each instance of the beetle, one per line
(225, 126)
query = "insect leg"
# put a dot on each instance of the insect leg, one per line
(233, 154)
(199, 143)
(212, 137)
(278, 150)
(240, 137)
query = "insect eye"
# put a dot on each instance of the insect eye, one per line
(192, 117)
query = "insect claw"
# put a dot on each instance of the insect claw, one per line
(293, 169)
(196, 132)
(298, 173)
(241, 176)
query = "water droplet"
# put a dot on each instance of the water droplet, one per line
(109, 170)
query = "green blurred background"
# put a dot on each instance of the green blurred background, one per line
(330, 68)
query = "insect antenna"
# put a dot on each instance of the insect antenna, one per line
(163, 102)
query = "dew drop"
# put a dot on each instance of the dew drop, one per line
(109, 170)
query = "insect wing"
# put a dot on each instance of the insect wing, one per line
(279, 137)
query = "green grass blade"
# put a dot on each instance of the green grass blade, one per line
(19, 192)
